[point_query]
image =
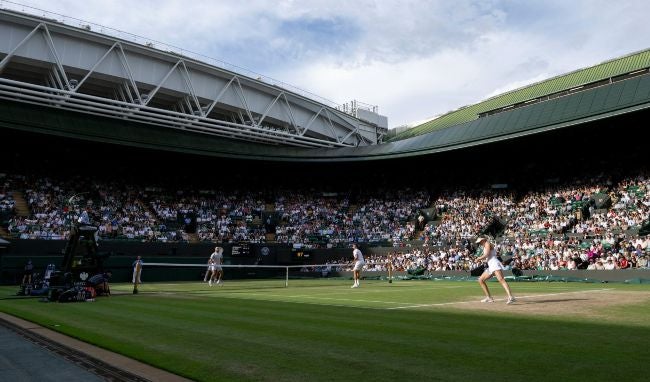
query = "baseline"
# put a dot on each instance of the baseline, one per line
(502, 299)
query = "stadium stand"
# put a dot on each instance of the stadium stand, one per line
(563, 175)
(383, 218)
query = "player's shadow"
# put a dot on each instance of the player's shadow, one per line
(547, 301)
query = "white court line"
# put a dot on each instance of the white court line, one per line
(306, 302)
(413, 287)
(278, 298)
(346, 290)
(311, 297)
(288, 299)
(285, 298)
(518, 298)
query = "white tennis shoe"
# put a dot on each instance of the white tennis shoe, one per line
(511, 300)
(488, 299)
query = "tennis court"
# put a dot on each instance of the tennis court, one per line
(537, 298)
(323, 330)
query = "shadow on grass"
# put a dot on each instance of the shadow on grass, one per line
(519, 302)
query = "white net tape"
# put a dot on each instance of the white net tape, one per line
(287, 268)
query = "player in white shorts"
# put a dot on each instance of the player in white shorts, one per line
(214, 265)
(358, 265)
(137, 270)
(495, 268)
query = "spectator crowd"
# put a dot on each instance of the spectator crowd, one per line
(588, 222)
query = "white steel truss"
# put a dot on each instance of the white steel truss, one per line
(131, 102)
(65, 99)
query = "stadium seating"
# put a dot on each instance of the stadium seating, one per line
(313, 219)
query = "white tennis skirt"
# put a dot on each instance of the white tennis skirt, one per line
(494, 265)
(358, 266)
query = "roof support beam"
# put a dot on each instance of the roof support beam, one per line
(89, 63)
(11, 54)
(162, 82)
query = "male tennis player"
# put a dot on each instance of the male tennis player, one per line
(215, 261)
(495, 268)
(358, 264)
(137, 270)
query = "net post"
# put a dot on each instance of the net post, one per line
(286, 280)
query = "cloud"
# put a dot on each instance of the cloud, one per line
(415, 59)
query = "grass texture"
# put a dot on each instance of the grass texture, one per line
(321, 330)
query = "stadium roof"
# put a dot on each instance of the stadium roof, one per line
(101, 109)
(581, 77)
(627, 94)
(47, 62)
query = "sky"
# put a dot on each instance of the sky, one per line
(413, 59)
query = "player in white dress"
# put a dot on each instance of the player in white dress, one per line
(214, 266)
(358, 265)
(495, 268)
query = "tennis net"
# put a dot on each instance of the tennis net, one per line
(277, 275)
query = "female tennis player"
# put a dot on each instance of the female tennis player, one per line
(358, 264)
(494, 268)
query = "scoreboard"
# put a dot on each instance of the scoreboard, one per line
(301, 256)
(241, 250)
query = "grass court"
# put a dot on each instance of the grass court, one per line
(321, 330)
